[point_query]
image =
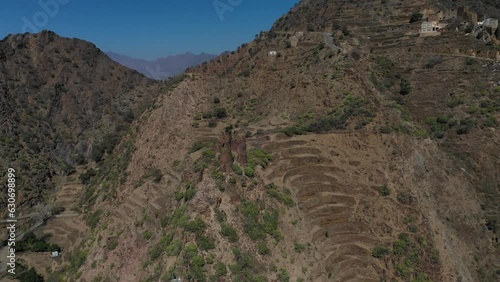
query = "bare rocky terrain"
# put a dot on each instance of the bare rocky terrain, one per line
(376, 162)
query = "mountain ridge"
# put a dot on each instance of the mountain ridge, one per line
(162, 68)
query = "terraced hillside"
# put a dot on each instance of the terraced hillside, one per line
(357, 192)
(344, 236)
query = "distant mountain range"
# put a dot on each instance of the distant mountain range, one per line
(163, 67)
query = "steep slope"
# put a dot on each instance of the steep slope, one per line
(357, 152)
(162, 68)
(64, 103)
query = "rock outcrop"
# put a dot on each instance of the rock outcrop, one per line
(486, 30)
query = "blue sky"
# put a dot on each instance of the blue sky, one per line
(147, 29)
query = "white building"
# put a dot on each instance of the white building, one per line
(432, 28)
(429, 27)
(56, 254)
(273, 53)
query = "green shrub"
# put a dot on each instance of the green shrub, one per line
(257, 225)
(257, 157)
(174, 249)
(94, 218)
(455, 102)
(187, 195)
(422, 277)
(113, 244)
(294, 130)
(221, 216)
(33, 244)
(197, 271)
(283, 275)
(262, 248)
(196, 226)
(249, 171)
(444, 119)
(107, 145)
(413, 228)
(404, 270)
(237, 169)
(220, 269)
(155, 253)
(385, 129)
(147, 234)
(87, 175)
(212, 123)
(179, 195)
(199, 145)
(380, 252)
(433, 61)
(180, 217)
(490, 121)
(218, 175)
(77, 259)
(245, 267)
(220, 113)
(57, 209)
(164, 221)
(298, 247)
(384, 191)
(229, 232)
(285, 198)
(30, 276)
(405, 198)
(200, 165)
(208, 115)
(435, 257)
(190, 192)
(400, 247)
(208, 153)
(67, 169)
(206, 243)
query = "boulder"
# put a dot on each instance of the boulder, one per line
(485, 37)
(491, 25)
(482, 33)
(477, 31)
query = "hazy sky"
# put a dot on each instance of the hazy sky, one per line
(147, 29)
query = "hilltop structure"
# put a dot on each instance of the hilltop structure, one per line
(463, 13)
